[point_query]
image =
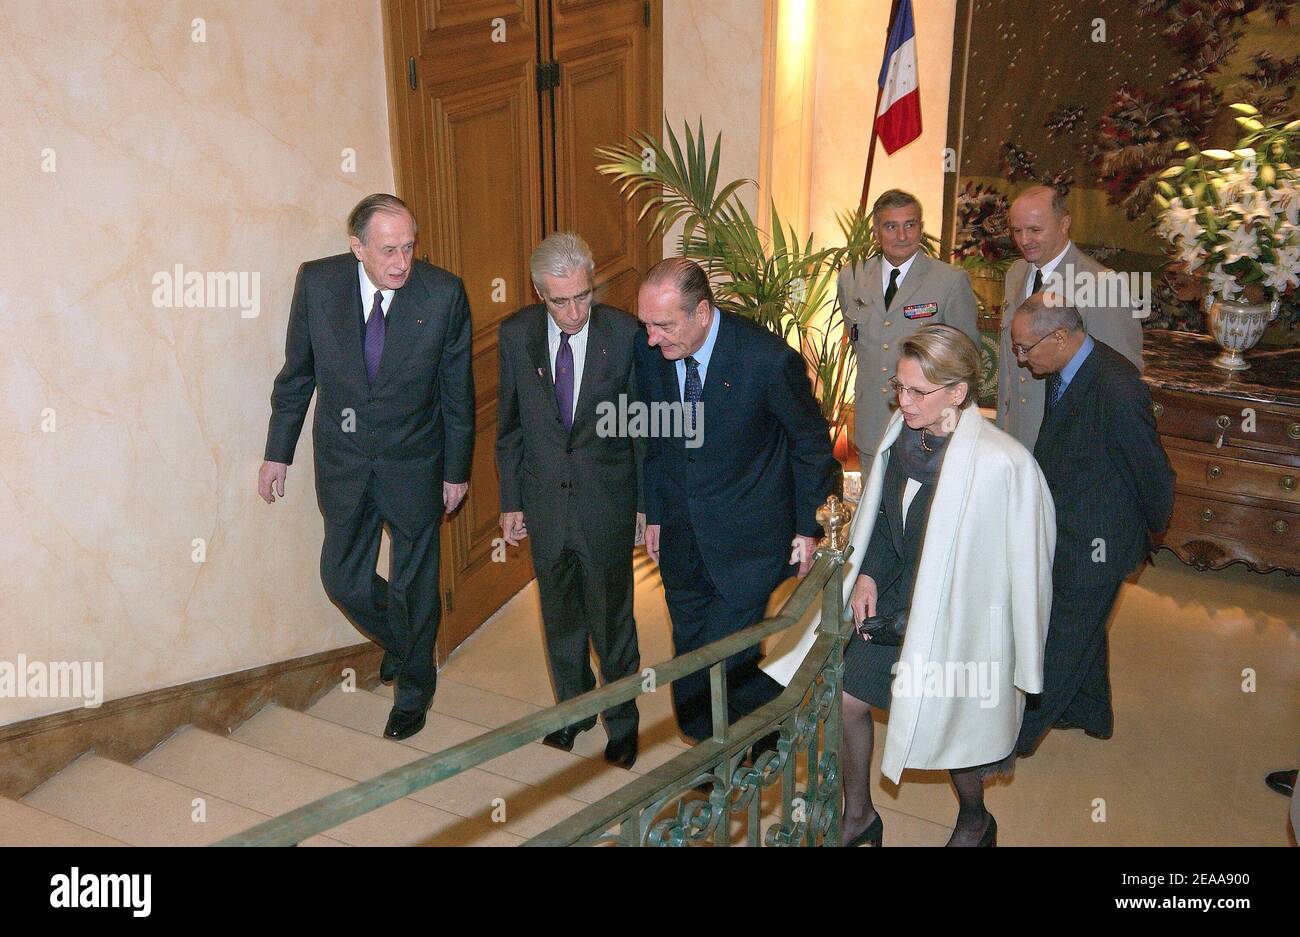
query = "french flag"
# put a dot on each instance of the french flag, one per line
(899, 120)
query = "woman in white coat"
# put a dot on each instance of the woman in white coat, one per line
(955, 532)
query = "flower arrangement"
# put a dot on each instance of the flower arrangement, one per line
(982, 240)
(1232, 217)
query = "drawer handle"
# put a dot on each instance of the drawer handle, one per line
(1280, 526)
(1287, 482)
(1207, 515)
(1158, 409)
(1214, 471)
(1293, 430)
(1222, 421)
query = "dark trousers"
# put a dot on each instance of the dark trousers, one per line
(700, 616)
(587, 605)
(1076, 667)
(401, 613)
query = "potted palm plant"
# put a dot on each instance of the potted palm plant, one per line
(777, 279)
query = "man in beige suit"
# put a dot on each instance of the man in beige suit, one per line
(889, 297)
(1039, 221)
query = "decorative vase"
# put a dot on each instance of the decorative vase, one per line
(1237, 327)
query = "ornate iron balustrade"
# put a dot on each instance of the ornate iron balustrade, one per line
(655, 809)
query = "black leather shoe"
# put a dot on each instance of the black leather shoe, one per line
(990, 837)
(873, 835)
(1282, 781)
(402, 724)
(388, 668)
(562, 738)
(621, 753)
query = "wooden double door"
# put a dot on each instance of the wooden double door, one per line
(497, 107)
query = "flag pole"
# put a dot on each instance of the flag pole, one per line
(880, 92)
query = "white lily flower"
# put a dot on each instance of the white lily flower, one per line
(1241, 243)
(1224, 283)
(1280, 276)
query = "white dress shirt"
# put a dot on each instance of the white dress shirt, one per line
(578, 344)
(368, 291)
(1047, 268)
(886, 268)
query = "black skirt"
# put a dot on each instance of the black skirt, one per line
(868, 670)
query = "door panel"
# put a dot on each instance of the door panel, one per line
(476, 157)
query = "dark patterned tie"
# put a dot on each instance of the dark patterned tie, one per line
(376, 328)
(564, 381)
(694, 389)
(1053, 390)
(892, 290)
(1038, 281)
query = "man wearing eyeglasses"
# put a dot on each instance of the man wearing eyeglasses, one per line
(1113, 488)
(1039, 223)
(569, 486)
(889, 297)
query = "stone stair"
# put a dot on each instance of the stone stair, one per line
(198, 787)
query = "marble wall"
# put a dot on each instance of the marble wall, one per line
(849, 46)
(713, 70)
(138, 140)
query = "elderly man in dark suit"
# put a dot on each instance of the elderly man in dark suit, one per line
(384, 341)
(1114, 491)
(728, 498)
(570, 480)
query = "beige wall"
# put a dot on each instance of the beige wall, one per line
(713, 69)
(223, 155)
(816, 180)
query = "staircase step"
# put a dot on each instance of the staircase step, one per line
(274, 785)
(474, 794)
(24, 825)
(140, 809)
(562, 773)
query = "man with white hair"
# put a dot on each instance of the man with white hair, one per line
(569, 484)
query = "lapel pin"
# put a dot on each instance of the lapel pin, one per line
(541, 372)
(726, 384)
(419, 322)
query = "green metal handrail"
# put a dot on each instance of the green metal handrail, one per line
(716, 760)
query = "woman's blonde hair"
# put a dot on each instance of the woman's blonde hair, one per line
(946, 356)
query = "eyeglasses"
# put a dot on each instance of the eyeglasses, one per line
(900, 389)
(1020, 351)
(559, 302)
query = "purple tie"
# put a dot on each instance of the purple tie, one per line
(564, 381)
(375, 330)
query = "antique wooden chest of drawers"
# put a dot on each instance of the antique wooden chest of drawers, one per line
(1234, 442)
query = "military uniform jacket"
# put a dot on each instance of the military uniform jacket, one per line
(931, 292)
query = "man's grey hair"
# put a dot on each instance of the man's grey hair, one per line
(371, 205)
(560, 254)
(895, 198)
(1048, 312)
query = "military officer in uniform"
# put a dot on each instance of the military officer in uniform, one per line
(889, 297)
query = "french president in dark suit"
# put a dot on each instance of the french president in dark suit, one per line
(569, 483)
(384, 341)
(731, 501)
(1114, 491)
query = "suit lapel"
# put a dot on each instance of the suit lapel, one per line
(540, 357)
(722, 367)
(1054, 418)
(919, 270)
(406, 317)
(870, 282)
(345, 284)
(594, 365)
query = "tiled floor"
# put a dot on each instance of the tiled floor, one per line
(1193, 740)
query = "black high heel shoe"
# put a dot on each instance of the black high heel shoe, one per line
(990, 837)
(873, 835)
